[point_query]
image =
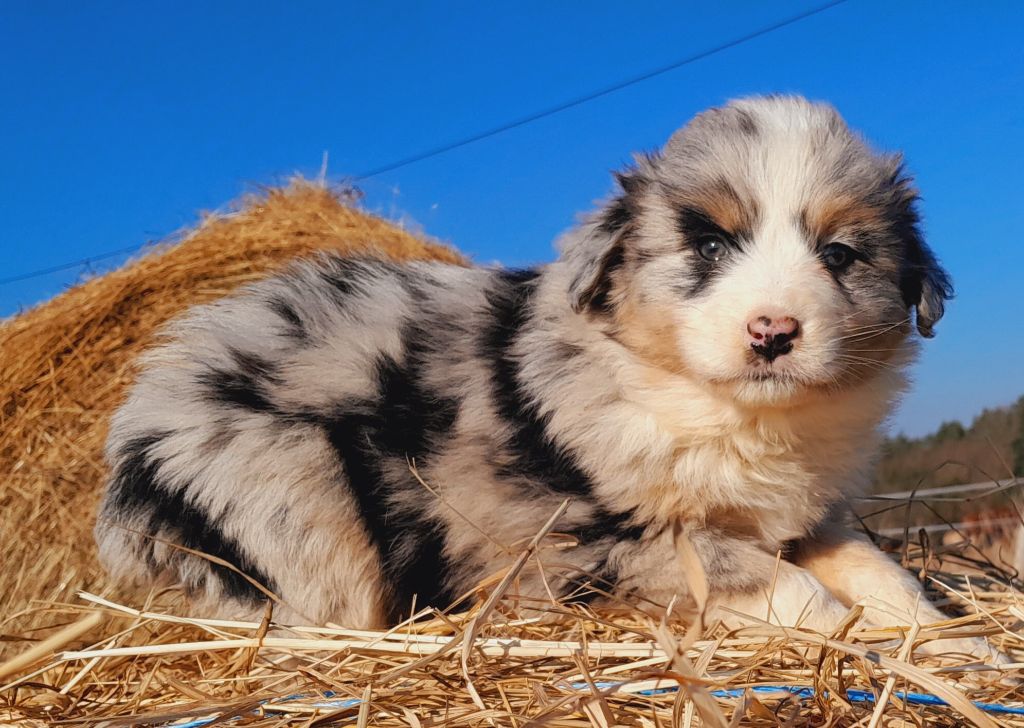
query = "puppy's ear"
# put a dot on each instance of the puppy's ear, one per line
(594, 251)
(924, 283)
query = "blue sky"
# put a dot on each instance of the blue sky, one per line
(121, 120)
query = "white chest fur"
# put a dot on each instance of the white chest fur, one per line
(679, 451)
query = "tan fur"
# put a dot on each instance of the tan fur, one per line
(833, 214)
(856, 572)
(724, 204)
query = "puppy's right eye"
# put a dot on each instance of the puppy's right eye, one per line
(712, 249)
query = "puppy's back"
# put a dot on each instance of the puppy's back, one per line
(228, 444)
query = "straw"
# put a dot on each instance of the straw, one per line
(78, 650)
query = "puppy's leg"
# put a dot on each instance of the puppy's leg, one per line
(793, 598)
(743, 581)
(853, 569)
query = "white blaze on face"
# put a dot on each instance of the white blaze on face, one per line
(776, 273)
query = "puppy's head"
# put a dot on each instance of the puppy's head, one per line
(766, 249)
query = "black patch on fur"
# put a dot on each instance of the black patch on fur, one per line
(344, 276)
(617, 215)
(136, 488)
(533, 452)
(600, 298)
(695, 225)
(295, 327)
(406, 422)
(612, 528)
(244, 385)
(603, 524)
(614, 225)
(923, 282)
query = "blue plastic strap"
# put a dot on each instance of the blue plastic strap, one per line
(803, 693)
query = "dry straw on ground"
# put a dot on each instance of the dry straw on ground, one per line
(123, 660)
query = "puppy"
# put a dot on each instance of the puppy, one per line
(716, 347)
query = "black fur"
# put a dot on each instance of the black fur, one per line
(295, 327)
(612, 528)
(136, 488)
(604, 524)
(923, 282)
(694, 225)
(600, 300)
(244, 384)
(533, 454)
(376, 440)
(344, 276)
(618, 214)
(606, 255)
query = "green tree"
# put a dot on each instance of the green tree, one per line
(949, 432)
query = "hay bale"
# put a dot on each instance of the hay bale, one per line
(88, 660)
(66, 363)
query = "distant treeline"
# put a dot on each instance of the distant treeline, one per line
(989, 448)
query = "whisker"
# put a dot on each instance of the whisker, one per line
(862, 362)
(877, 327)
(904, 320)
(871, 332)
(849, 356)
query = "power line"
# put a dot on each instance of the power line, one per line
(72, 264)
(579, 100)
(495, 131)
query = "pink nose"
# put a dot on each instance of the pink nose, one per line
(771, 337)
(762, 327)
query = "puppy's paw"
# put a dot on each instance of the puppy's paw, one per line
(797, 600)
(976, 647)
(982, 651)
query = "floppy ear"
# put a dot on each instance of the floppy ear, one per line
(924, 283)
(594, 250)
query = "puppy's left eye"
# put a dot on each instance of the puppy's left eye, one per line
(838, 257)
(712, 249)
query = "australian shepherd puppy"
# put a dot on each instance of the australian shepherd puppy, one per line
(716, 347)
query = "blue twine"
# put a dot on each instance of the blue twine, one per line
(804, 693)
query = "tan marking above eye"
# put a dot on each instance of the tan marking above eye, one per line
(722, 204)
(823, 220)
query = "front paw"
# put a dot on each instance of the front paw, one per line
(980, 650)
(976, 647)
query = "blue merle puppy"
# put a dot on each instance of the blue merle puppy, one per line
(716, 346)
